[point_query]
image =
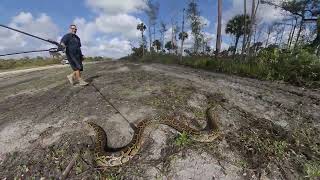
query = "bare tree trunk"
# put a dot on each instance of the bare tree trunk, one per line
(293, 32)
(142, 43)
(182, 37)
(299, 32)
(254, 10)
(150, 36)
(258, 35)
(172, 34)
(289, 38)
(245, 26)
(300, 28)
(162, 47)
(154, 31)
(236, 45)
(254, 42)
(175, 41)
(269, 32)
(163, 30)
(218, 41)
(281, 38)
(277, 37)
(316, 41)
(203, 45)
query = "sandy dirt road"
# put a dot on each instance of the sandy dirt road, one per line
(270, 130)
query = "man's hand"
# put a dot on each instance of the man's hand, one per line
(61, 47)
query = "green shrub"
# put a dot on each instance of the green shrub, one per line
(299, 67)
(183, 139)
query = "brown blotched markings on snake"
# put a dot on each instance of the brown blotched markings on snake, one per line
(116, 157)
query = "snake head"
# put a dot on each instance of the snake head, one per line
(91, 125)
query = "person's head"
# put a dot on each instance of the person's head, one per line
(73, 29)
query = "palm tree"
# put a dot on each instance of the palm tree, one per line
(157, 44)
(182, 36)
(141, 27)
(170, 46)
(236, 27)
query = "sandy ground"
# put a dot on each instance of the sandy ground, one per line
(269, 130)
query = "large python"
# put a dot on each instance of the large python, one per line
(108, 157)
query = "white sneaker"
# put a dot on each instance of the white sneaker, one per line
(71, 79)
(82, 82)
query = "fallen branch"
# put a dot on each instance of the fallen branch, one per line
(65, 173)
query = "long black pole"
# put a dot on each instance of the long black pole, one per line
(24, 52)
(47, 40)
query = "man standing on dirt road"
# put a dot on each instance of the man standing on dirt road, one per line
(72, 46)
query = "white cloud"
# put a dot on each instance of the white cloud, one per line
(41, 26)
(117, 6)
(123, 24)
(86, 30)
(204, 21)
(108, 35)
(23, 17)
(113, 29)
(168, 35)
(269, 14)
(224, 46)
(104, 36)
(114, 48)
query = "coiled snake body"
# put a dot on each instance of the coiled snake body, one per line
(116, 157)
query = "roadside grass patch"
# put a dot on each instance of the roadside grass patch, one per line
(243, 164)
(280, 148)
(112, 177)
(198, 113)
(26, 63)
(298, 67)
(312, 170)
(182, 140)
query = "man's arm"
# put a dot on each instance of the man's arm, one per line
(63, 43)
(82, 56)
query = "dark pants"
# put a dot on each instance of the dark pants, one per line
(75, 60)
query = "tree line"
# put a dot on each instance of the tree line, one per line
(287, 49)
(301, 16)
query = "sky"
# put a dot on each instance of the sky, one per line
(107, 27)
